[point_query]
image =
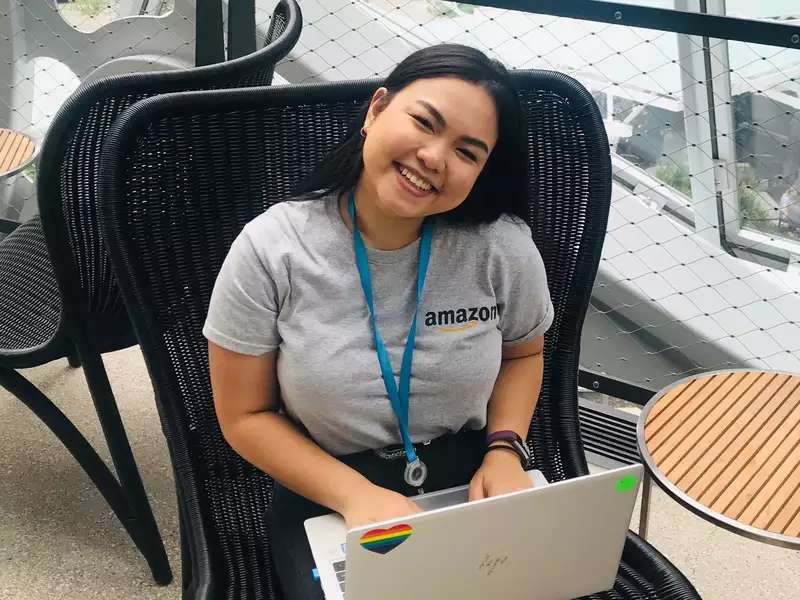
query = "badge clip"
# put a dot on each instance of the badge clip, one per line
(416, 473)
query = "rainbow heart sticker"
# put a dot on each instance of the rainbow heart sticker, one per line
(386, 540)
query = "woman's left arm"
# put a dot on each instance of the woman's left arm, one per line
(511, 406)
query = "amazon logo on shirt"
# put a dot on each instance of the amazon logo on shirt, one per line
(459, 319)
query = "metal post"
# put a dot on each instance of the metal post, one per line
(644, 513)
(209, 46)
(241, 28)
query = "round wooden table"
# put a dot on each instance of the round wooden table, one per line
(17, 150)
(727, 446)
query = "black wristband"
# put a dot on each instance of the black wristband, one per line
(522, 459)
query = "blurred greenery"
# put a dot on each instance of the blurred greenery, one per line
(92, 7)
(755, 209)
(449, 9)
(30, 172)
(674, 176)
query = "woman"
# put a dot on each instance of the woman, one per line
(417, 214)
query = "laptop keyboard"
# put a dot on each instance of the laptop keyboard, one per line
(339, 569)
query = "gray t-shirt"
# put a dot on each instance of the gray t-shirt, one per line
(290, 282)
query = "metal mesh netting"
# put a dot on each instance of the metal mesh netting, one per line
(53, 46)
(699, 268)
(78, 153)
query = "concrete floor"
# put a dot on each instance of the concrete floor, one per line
(58, 539)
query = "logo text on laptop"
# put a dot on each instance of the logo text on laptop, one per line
(490, 563)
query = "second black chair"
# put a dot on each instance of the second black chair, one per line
(58, 295)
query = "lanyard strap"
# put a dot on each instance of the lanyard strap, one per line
(398, 398)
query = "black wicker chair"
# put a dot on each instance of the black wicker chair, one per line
(58, 296)
(183, 173)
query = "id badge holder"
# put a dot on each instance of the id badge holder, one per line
(416, 473)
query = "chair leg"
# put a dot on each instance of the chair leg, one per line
(74, 360)
(86, 457)
(644, 512)
(188, 582)
(125, 465)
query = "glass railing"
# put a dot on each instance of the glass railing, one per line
(697, 271)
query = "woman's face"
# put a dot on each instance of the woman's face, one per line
(426, 147)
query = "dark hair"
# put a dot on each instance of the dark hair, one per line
(502, 185)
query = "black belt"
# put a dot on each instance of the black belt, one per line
(452, 460)
(464, 438)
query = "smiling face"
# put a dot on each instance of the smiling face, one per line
(425, 148)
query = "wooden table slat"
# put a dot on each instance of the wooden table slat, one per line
(662, 442)
(696, 440)
(23, 143)
(751, 472)
(778, 512)
(724, 466)
(7, 159)
(762, 500)
(730, 442)
(793, 528)
(657, 413)
(789, 516)
(16, 151)
(718, 427)
(24, 152)
(6, 146)
(724, 432)
(674, 404)
(19, 154)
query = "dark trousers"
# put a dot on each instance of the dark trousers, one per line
(452, 460)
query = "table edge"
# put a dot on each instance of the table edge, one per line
(677, 494)
(18, 169)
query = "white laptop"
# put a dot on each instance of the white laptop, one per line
(553, 541)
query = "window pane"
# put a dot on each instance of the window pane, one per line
(89, 15)
(766, 112)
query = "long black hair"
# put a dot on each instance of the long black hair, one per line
(501, 186)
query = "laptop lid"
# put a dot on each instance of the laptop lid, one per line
(327, 535)
(563, 540)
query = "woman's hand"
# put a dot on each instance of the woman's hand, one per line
(374, 503)
(500, 473)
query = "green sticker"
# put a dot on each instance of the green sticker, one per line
(627, 483)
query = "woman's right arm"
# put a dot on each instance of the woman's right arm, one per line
(246, 400)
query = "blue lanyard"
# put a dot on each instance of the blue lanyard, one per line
(398, 398)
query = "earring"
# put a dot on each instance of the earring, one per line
(364, 132)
